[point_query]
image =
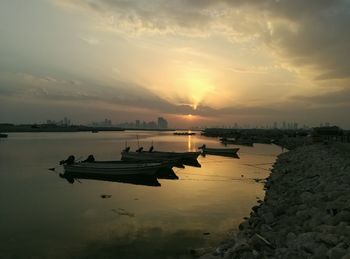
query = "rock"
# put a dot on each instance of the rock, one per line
(243, 225)
(347, 256)
(241, 247)
(197, 252)
(305, 212)
(336, 253)
(306, 197)
(328, 239)
(268, 217)
(321, 252)
(257, 241)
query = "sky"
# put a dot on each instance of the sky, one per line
(194, 62)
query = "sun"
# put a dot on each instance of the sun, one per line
(189, 116)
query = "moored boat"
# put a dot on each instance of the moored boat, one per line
(237, 141)
(219, 151)
(158, 155)
(3, 135)
(184, 133)
(116, 168)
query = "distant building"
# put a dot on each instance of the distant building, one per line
(162, 123)
(332, 133)
(104, 123)
(65, 122)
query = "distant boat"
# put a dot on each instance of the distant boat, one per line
(158, 155)
(218, 151)
(3, 135)
(237, 141)
(112, 168)
(186, 133)
(94, 131)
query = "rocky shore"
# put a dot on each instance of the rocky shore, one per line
(305, 212)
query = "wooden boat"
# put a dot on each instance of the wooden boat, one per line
(158, 155)
(218, 151)
(116, 168)
(3, 135)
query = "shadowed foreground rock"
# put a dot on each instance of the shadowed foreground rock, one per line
(306, 210)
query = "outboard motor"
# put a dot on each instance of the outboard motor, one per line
(139, 150)
(151, 148)
(90, 159)
(70, 160)
(202, 147)
(127, 149)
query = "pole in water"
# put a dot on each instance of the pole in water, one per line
(138, 142)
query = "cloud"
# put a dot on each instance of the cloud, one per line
(335, 98)
(312, 35)
(90, 40)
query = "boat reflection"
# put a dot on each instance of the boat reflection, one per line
(191, 162)
(167, 173)
(137, 180)
(147, 180)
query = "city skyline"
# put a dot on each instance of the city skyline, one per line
(163, 123)
(196, 63)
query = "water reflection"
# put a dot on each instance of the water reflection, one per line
(137, 180)
(189, 143)
(167, 173)
(147, 180)
(46, 214)
(191, 162)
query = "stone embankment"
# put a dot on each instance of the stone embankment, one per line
(306, 210)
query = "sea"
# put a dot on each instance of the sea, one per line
(44, 215)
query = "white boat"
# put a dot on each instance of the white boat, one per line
(115, 168)
(219, 151)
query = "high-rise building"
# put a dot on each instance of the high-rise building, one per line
(162, 123)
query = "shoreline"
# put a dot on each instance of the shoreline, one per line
(305, 212)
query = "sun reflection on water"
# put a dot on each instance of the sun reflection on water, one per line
(189, 142)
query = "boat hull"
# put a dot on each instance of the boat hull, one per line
(115, 169)
(158, 155)
(220, 150)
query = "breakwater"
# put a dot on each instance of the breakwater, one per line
(305, 212)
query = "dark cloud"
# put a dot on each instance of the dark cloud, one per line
(340, 97)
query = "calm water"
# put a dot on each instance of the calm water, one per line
(44, 216)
